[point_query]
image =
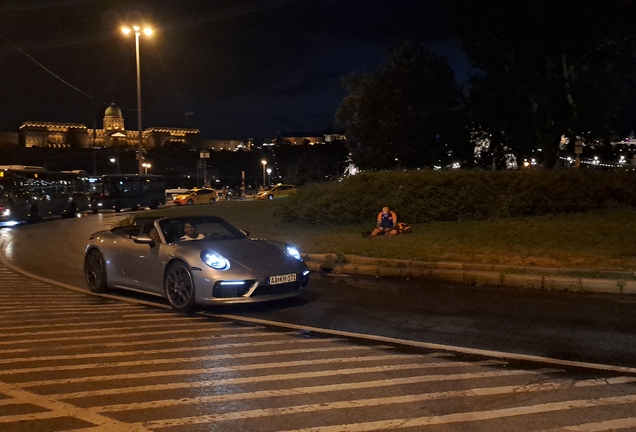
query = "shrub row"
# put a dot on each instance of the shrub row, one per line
(426, 196)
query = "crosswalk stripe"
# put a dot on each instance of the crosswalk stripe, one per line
(112, 336)
(313, 390)
(263, 378)
(91, 323)
(472, 416)
(405, 423)
(66, 310)
(138, 343)
(608, 425)
(59, 409)
(217, 369)
(161, 325)
(179, 360)
(170, 350)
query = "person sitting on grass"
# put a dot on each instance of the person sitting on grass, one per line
(387, 223)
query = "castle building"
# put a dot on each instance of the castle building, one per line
(112, 134)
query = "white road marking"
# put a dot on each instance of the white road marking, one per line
(84, 366)
(608, 425)
(314, 389)
(459, 417)
(160, 325)
(138, 343)
(216, 369)
(434, 346)
(184, 350)
(263, 378)
(404, 423)
(111, 336)
(92, 324)
(58, 409)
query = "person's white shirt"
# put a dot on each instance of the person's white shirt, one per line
(188, 238)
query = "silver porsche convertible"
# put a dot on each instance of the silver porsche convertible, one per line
(193, 261)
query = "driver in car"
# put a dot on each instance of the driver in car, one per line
(191, 233)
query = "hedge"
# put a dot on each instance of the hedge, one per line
(426, 196)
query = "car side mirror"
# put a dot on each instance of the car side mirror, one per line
(143, 239)
(246, 233)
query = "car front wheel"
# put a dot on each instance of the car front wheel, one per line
(95, 271)
(190, 202)
(179, 287)
(271, 197)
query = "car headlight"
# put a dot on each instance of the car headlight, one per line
(293, 252)
(215, 260)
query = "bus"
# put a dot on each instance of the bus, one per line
(131, 191)
(28, 193)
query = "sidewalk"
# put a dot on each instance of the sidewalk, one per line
(541, 278)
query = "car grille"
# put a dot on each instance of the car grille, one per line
(266, 289)
(229, 291)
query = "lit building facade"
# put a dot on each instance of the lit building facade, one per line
(113, 134)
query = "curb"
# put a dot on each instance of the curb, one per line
(539, 278)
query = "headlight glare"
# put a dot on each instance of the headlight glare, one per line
(215, 260)
(292, 251)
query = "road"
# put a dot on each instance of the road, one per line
(72, 361)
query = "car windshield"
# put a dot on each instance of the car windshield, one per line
(205, 228)
(190, 192)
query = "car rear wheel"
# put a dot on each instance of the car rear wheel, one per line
(179, 287)
(95, 271)
(212, 200)
(190, 202)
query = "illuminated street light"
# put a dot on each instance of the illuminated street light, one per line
(264, 162)
(269, 178)
(146, 165)
(147, 31)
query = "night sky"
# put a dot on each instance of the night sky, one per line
(232, 68)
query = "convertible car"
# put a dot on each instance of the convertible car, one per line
(213, 263)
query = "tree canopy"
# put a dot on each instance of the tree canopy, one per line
(548, 68)
(406, 114)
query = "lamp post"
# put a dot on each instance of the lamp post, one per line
(146, 165)
(147, 31)
(264, 162)
(269, 178)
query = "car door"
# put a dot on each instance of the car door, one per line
(142, 265)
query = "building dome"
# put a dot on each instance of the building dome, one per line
(113, 111)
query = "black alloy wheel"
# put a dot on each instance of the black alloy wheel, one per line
(179, 287)
(95, 271)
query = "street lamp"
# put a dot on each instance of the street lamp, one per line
(269, 179)
(147, 31)
(146, 165)
(264, 162)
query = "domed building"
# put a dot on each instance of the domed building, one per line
(112, 134)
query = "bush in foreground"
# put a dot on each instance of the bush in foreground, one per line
(426, 196)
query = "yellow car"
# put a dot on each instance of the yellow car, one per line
(196, 196)
(278, 191)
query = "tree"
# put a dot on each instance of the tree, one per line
(549, 68)
(406, 114)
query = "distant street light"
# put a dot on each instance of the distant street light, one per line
(264, 162)
(269, 178)
(145, 166)
(147, 31)
(115, 160)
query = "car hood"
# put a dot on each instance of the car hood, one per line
(255, 255)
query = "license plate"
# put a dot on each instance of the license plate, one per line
(275, 280)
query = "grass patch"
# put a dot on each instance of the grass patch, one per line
(599, 239)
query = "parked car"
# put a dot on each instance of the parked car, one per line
(196, 196)
(217, 263)
(278, 191)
